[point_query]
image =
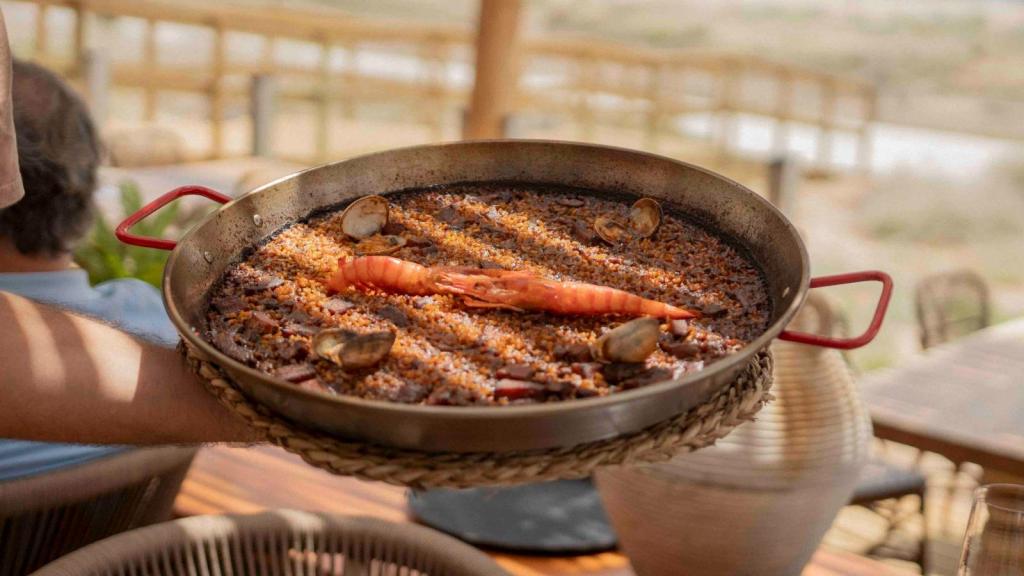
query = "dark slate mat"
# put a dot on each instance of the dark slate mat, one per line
(563, 517)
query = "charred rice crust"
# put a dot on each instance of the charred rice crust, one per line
(266, 308)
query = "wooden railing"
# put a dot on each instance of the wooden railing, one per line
(574, 81)
(658, 86)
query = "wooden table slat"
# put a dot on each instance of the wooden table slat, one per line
(964, 399)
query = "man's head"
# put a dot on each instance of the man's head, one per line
(58, 153)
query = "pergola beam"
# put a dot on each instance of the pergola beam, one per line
(496, 77)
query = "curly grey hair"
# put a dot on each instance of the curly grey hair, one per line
(58, 155)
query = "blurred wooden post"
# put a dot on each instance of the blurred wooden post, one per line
(783, 177)
(433, 59)
(780, 136)
(323, 110)
(655, 115)
(149, 63)
(496, 77)
(267, 58)
(217, 92)
(42, 36)
(864, 150)
(828, 109)
(96, 77)
(348, 81)
(585, 70)
(261, 107)
(440, 89)
(726, 98)
(79, 40)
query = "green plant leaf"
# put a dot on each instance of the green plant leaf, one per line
(164, 218)
(131, 198)
(105, 257)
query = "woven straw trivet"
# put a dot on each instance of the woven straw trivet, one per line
(695, 429)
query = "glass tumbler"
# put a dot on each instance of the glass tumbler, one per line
(994, 542)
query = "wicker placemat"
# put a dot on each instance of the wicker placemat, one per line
(695, 429)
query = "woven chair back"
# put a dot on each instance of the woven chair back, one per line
(278, 543)
(951, 305)
(49, 515)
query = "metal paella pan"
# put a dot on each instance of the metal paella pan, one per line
(744, 219)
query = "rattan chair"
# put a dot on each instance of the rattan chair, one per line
(45, 516)
(278, 542)
(950, 305)
(881, 480)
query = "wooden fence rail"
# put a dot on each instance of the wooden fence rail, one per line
(573, 80)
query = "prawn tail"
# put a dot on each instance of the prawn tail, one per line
(662, 310)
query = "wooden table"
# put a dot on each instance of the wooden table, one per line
(243, 480)
(964, 400)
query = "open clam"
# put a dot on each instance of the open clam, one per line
(365, 217)
(352, 350)
(645, 217)
(633, 341)
(379, 244)
(365, 350)
(610, 230)
(327, 343)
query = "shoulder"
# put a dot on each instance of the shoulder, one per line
(137, 307)
(128, 285)
(132, 292)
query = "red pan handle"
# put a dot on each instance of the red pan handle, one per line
(127, 237)
(876, 321)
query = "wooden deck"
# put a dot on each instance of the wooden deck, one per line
(244, 480)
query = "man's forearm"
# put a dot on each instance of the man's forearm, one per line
(71, 379)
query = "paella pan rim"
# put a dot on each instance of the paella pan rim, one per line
(733, 362)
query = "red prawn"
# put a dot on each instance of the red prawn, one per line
(483, 288)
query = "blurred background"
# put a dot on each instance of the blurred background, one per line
(890, 131)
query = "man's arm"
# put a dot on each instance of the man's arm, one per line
(66, 378)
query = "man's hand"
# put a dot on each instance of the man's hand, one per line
(11, 189)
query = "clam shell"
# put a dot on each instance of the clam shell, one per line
(610, 230)
(379, 244)
(365, 217)
(631, 342)
(352, 350)
(327, 343)
(645, 217)
(365, 350)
